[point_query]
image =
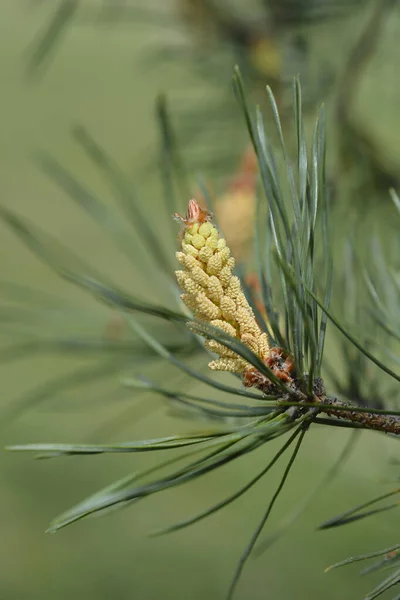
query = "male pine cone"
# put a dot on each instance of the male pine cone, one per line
(213, 293)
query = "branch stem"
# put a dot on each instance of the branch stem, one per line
(343, 410)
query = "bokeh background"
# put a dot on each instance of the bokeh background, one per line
(105, 71)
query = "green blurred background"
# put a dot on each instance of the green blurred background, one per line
(97, 78)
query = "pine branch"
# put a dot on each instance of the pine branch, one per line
(369, 420)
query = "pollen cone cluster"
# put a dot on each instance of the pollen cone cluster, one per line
(214, 294)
